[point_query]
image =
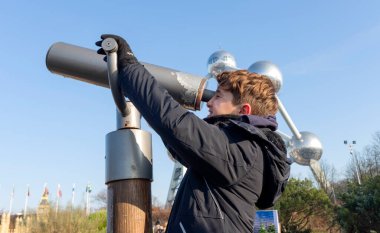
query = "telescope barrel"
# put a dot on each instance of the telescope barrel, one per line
(86, 65)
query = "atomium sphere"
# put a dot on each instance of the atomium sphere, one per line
(270, 70)
(307, 148)
(220, 61)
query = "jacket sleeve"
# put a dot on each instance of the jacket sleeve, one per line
(203, 147)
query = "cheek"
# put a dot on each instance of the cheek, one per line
(218, 104)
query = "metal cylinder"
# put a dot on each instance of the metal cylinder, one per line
(131, 121)
(128, 155)
(86, 65)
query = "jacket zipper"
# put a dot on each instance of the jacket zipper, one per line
(182, 228)
(213, 198)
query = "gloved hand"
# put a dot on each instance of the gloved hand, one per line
(124, 53)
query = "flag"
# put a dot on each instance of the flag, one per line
(28, 192)
(59, 191)
(88, 188)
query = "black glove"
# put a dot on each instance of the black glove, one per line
(124, 53)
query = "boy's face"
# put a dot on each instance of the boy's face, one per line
(221, 104)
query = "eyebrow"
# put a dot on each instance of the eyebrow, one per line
(221, 91)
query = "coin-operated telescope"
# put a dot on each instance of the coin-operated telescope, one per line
(86, 65)
(128, 149)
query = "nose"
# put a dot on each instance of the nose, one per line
(209, 103)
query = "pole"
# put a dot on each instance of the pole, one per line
(11, 201)
(72, 205)
(72, 196)
(288, 120)
(87, 212)
(128, 162)
(26, 202)
(351, 150)
(0, 199)
(129, 176)
(59, 193)
(356, 164)
(88, 192)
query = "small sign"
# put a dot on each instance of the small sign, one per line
(266, 221)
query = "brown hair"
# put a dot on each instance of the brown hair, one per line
(255, 89)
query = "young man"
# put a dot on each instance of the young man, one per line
(223, 153)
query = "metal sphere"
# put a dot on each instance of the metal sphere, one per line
(309, 147)
(270, 70)
(220, 61)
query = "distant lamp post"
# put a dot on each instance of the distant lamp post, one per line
(350, 147)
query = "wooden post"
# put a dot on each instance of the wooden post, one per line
(129, 206)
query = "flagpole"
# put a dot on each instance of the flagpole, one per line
(59, 194)
(86, 202)
(88, 191)
(87, 199)
(26, 201)
(56, 205)
(73, 195)
(0, 196)
(11, 201)
(72, 204)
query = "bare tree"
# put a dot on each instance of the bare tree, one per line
(330, 174)
(159, 212)
(101, 199)
(371, 161)
(350, 172)
(329, 171)
(368, 161)
(375, 152)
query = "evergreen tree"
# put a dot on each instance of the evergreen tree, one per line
(360, 209)
(301, 205)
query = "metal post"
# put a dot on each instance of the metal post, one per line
(128, 162)
(129, 176)
(350, 148)
(288, 120)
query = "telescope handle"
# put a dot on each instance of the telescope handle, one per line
(110, 47)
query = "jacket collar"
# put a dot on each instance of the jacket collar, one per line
(253, 120)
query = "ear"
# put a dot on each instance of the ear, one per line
(245, 109)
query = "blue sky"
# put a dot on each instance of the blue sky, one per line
(52, 129)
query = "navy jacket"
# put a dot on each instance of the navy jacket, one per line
(224, 161)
